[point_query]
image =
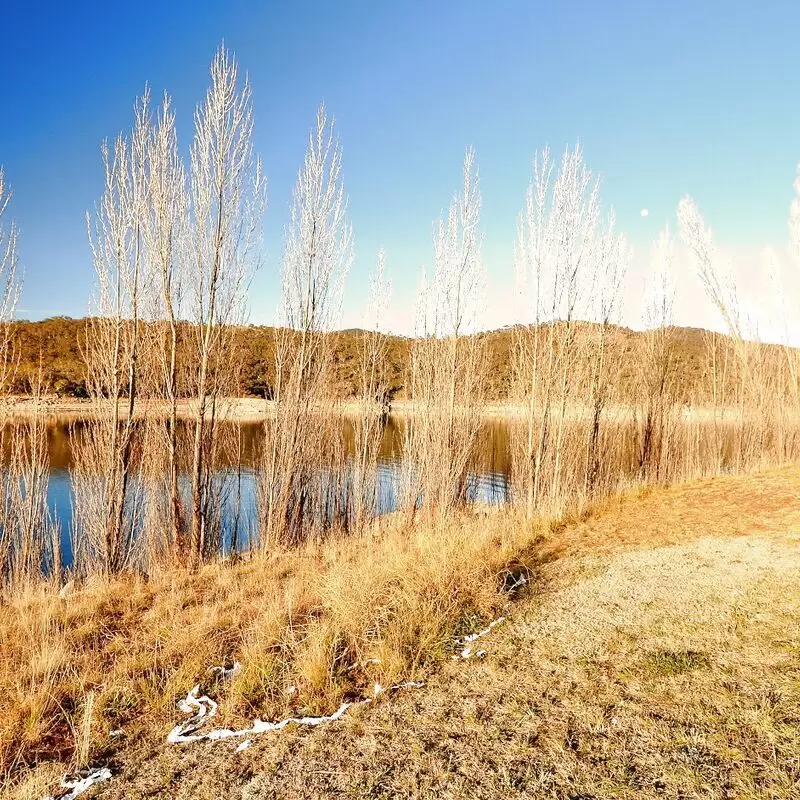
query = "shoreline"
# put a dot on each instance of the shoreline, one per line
(254, 409)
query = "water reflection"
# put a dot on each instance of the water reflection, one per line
(237, 480)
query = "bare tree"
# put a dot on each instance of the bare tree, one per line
(10, 285)
(458, 276)
(228, 194)
(318, 250)
(556, 238)
(447, 380)
(166, 247)
(316, 259)
(106, 505)
(759, 385)
(657, 361)
(28, 541)
(609, 264)
(714, 274)
(369, 425)
(718, 283)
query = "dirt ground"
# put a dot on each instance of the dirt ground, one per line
(656, 654)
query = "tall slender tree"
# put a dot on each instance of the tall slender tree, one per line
(556, 241)
(228, 195)
(106, 501)
(369, 424)
(316, 259)
(167, 251)
(609, 265)
(657, 362)
(447, 379)
(10, 284)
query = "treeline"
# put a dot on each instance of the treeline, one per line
(52, 348)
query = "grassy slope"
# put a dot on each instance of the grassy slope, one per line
(130, 647)
(656, 656)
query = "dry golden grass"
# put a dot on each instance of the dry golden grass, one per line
(723, 506)
(638, 667)
(656, 656)
(119, 653)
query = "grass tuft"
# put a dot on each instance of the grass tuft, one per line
(668, 662)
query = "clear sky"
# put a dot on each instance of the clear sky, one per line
(666, 98)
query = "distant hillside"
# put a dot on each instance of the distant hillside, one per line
(55, 344)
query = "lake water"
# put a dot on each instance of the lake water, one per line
(488, 480)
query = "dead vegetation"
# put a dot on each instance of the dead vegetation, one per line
(301, 618)
(681, 682)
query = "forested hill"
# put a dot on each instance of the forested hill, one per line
(55, 343)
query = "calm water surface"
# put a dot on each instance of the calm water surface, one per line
(488, 481)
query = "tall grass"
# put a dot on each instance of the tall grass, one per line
(330, 619)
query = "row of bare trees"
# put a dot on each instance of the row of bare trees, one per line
(174, 250)
(762, 382)
(576, 437)
(175, 244)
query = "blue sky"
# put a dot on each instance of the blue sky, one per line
(666, 98)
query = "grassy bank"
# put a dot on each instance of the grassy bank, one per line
(116, 654)
(693, 644)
